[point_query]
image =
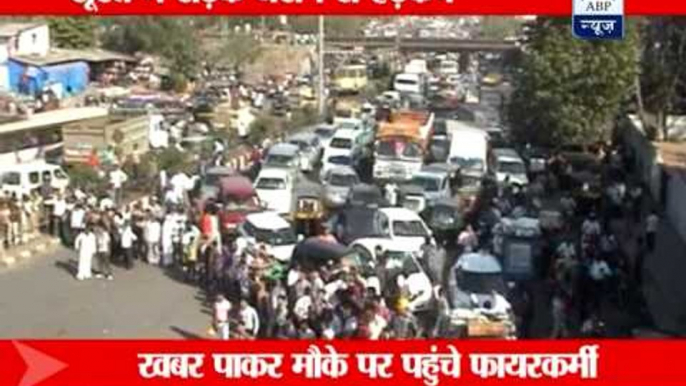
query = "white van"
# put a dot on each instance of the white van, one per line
(22, 179)
(469, 148)
(407, 83)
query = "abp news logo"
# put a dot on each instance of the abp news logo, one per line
(598, 19)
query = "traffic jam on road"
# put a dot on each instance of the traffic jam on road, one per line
(397, 219)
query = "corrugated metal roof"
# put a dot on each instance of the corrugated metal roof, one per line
(13, 29)
(54, 118)
(57, 56)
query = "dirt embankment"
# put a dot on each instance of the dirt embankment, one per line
(279, 60)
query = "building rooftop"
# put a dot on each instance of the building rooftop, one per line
(54, 118)
(9, 30)
(58, 55)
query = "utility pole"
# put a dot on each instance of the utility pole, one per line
(322, 86)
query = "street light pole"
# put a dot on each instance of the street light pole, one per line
(321, 92)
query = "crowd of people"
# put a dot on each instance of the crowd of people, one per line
(584, 261)
(252, 296)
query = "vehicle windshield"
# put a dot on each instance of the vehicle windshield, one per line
(406, 82)
(340, 160)
(349, 125)
(337, 179)
(428, 184)
(475, 164)
(11, 178)
(324, 133)
(467, 181)
(365, 197)
(480, 283)
(341, 143)
(303, 146)
(412, 228)
(271, 184)
(445, 216)
(279, 160)
(276, 237)
(511, 167)
(400, 263)
(399, 149)
(239, 203)
(60, 174)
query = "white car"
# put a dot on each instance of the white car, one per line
(274, 187)
(508, 165)
(325, 133)
(337, 184)
(331, 162)
(270, 230)
(400, 265)
(342, 143)
(283, 155)
(404, 227)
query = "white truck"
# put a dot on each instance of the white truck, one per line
(469, 148)
(401, 145)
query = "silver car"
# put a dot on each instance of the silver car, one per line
(337, 184)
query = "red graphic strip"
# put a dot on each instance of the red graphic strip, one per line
(301, 363)
(340, 7)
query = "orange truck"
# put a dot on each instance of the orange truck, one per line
(401, 144)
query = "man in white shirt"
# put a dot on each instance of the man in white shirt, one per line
(222, 307)
(128, 238)
(117, 180)
(302, 307)
(153, 235)
(59, 210)
(249, 319)
(78, 220)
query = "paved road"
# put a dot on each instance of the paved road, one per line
(41, 299)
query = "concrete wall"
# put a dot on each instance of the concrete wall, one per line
(647, 164)
(676, 203)
(33, 41)
(645, 155)
(4, 71)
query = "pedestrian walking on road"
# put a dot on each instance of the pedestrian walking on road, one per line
(127, 240)
(221, 325)
(86, 245)
(652, 224)
(153, 235)
(103, 253)
(559, 314)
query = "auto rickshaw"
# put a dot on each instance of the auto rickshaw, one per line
(309, 212)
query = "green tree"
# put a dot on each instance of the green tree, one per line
(334, 25)
(73, 32)
(261, 128)
(172, 38)
(235, 51)
(499, 27)
(568, 90)
(172, 160)
(663, 74)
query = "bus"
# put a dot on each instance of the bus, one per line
(40, 136)
(350, 79)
